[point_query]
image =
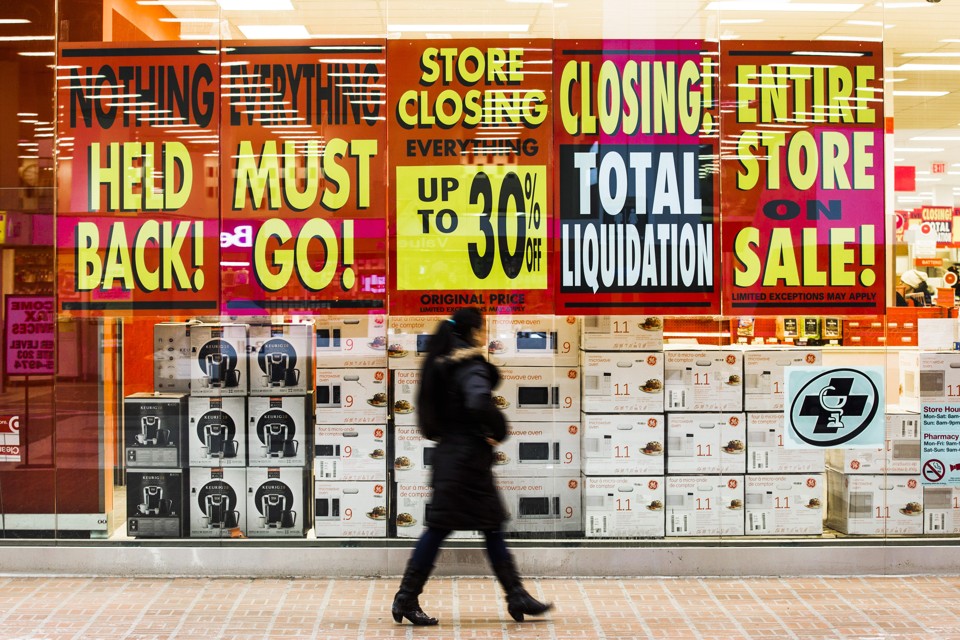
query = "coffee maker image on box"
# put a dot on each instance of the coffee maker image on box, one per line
(280, 359)
(275, 501)
(214, 510)
(219, 360)
(155, 503)
(152, 430)
(277, 442)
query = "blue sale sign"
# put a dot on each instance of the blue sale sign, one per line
(940, 444)
(834, 407)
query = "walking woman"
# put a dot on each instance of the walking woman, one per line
(455, 408)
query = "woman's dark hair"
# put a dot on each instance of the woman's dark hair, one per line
(463, 324)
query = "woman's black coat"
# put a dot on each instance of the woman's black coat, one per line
(464, 494)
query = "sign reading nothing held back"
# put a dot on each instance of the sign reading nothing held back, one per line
(634, 126)
(802, 177)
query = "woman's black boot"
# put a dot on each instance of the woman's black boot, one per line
(519, 602)
(406, 603)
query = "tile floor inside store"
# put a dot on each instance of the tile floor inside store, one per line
(874, 608)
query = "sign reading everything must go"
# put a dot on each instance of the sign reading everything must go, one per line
(519, 176)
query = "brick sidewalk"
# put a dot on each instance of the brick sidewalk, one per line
(60, 608)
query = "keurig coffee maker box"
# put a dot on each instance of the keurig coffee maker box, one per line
(281, 359)
(171, 357)
(217, 504)
(218, 360)
(153, 430)
(278, 502)
(280, 430)
(156, 502)
(217, 432)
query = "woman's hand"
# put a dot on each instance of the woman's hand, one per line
(492, 442)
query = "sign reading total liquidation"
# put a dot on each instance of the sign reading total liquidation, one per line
(802, 175)
(635, 131)
(28, 335)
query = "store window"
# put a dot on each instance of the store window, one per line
(717, 266)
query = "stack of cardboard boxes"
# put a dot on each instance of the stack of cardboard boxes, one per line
(351, 444)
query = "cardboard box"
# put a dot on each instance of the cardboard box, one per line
(156, 501)
(703, 380)
(763, 375)
(704, 505)
(543, 506)
(624, 507)
(941, 510)
(622, 382)
(351, 341)
(900, 453)
(280, 430)
(413, 499)
(154, 426)
(218, 502)
(533, 341)
(217, 432)
(406, 383)
(539, 448)
(874, 504)
(350, 452)
(281, 358)
(928, 377)
(784, 504)
(352, 396)
(171, 357)
(623, 445)
(413, 455)
(622, 333)
(765, 450)
(218, 355)
(278, 502)
(350, 509)
(407, 338)
(538, 394)
(706, 443)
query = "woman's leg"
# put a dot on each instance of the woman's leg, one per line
(406, 604)
(428, 546)
(519, 602)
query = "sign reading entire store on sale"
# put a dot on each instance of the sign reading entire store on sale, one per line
(469, 151)
(635, 130)
(802, 177)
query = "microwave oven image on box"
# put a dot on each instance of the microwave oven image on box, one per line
(155, 503)
(154, 426)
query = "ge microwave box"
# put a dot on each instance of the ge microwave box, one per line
(928, 377)
(536, 394)
(278, 502)
(624, 507)
(412, 455)
(623, 445)
(351, 341)
(706, 443)
(406, 383)
(616, 382)
(217, 431)
(156, 502)
(350, 509)
(279, 430)
(154, 425)
(544, 505)
(874, 504)
(784, 504)
(407, 338)
(941, 510)
(413, 500)
(218, 355)
(351, 396)
(703, 380)
(763, 375)
(533, 341)
(171, 357)
(535, 448)
(350, 452)
(704, 505)
(622, 333)
(765, 450)
(900, 453)
(218, 506)
(281, 358)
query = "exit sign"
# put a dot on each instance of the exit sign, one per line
(938, 167)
